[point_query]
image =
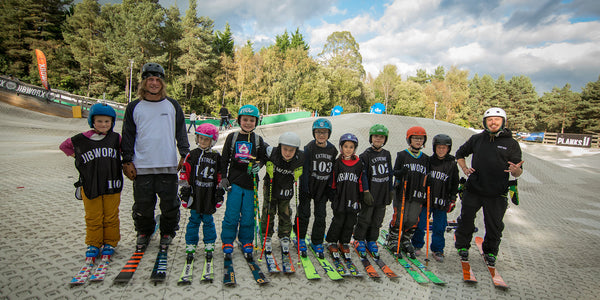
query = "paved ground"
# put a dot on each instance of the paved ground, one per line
(549, 250)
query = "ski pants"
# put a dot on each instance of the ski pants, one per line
(239, 210)
(412, 209)
(493, 214)
(341, 227)
(193, 227)
(102, 219)
(145, 190)
(282, 209)
(440, 220)
(303, 214)
(369, 223)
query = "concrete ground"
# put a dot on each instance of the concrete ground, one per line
(549, 250)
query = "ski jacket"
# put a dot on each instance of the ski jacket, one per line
(318, 166)
(99, 164)
(238, 154)
(203, 172)
(413, 169)
(491, 155)
(378, 173)
(283, 174)
(151, 129)
(443, 179)
(347, 182)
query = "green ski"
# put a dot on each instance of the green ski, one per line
(331, 272)
(403, 262)
(307, 265)
(430, 275)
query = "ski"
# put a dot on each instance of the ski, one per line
(208, 274)
(382, 265)
(159, 272)
(337, 262)
(331, 272)
(468, 275)
(405, 264)
(132, 264)
(287, 263)
(101, 269)
(188, 268)
(365, 262)
(496, 278)
(229, 274)
(83, 274)
(430, 275)
(272, 265)
(258, 275)
(307, 265)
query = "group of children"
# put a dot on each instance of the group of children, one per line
(359, 187)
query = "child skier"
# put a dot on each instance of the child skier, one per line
(243, 154)
(284, 167)
(378, 182)
(318, 165)
(410, 170)
(443, 183)
(97, 156)
(198, 192)
(347, 183)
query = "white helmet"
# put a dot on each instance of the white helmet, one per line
(290, 139)
(494, 112)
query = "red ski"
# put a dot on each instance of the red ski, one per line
(496, 278)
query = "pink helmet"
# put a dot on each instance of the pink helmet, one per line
(208, 130)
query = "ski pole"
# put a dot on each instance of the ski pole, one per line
(297, 223)
(256, 213)
(401, 218)
(268, 216)
(428, 210)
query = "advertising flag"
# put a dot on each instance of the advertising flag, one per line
(42, 67)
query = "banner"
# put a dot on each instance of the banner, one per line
(377, 108)
(41, 60)
(574, 140)
(337, 110)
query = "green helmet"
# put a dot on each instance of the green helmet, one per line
(378, 129)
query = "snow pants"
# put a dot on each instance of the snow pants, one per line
(192, 229)
(303, 214)
(239, 211)
(102, 219)
(145, 190)
(440, 220)
(341, 227)
(369, 223)
(282, 209)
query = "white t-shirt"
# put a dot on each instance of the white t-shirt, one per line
(155, 143)
(193, 117)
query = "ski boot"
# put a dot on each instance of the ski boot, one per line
(361, 247)
(345, 250)
(391, 242)
(209, 248)
(190, 249)
(248, 249)
(490, 259)
(227, 248)
(92, 251)
(165, 240)
(268, 245)
(373, 248)
(143, 240)
(318, 249)
(418, 251)
(108, 250)
(463, 253)
(333, 249)
(407, 247)
(285, 245)
(438, 256)
(302, 246)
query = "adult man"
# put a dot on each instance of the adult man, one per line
(495, 155)
(152, 126)
(193, 118)
(224, 113)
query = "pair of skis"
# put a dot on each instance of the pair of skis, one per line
(369, 267)
(287, 264)
(85, 272)
(208, 274)
(229, 274)
(424, 276)
(343, 264)
(469, 276)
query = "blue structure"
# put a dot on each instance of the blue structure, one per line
(377, 108)
(337, 110)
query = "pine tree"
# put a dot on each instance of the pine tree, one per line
(589, 116)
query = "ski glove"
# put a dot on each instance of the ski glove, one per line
(184, 195)
(219, 197)
(451, 205)
(461, 187)
(129, 170)
(513, 192)
(225, 185)
(368, 199)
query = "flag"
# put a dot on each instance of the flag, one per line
(41, 60)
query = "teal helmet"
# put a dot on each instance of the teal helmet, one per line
(101, 109)
(248, 110)
(321, 123)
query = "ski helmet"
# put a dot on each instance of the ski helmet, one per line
(101, 109)
(416, 130)
(378, 129)
(208, 130)
(321, 123)
(290, 139)
(494, 112)
(153, 69)
(248, 110)
(349, 137)
(442, 139)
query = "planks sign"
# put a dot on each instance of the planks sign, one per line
(574, 140)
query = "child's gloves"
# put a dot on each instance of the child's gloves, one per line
(129, 170)
(368, 199)
(451, 205)
(225, 185)
(219, 204)
(184, 194)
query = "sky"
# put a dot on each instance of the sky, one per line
(553, 42)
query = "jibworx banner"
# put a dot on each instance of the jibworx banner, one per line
(42, 67)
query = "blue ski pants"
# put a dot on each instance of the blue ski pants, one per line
(192, 229)
(438, 226)
(239, 211)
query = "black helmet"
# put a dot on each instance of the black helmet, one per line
(442, 139)
(153, 69)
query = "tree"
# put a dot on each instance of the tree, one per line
(282, 42)
(342, 51)
(411, 100)
(522, 106)
(224, 41)
(297, 41)
(589, 117)
(559, 108)
(385, 84)
(421, 78)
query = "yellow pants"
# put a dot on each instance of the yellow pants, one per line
(102, 219)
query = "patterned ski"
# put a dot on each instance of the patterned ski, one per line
(496, 278)
(132, 264)
(272, 265)
(188, 269)
(258, 275)
(229, 274)
(365, 262)
(287, 263)
(307, 265)
(101, 269)
(382, 265)
(430, 275)
(337, 262)
(159, 272)
(208, 274)
(83, 274)
(331, 272)
(405, 264)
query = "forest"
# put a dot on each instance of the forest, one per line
(97, 50)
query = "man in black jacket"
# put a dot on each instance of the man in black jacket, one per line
(496, 155)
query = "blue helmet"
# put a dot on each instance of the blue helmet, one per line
(248, 110)
(321, 123)
(101, 109)
(349, 137)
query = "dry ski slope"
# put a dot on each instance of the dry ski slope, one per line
(549, 248)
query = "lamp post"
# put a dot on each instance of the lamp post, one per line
(130, 78)
(434, 109)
